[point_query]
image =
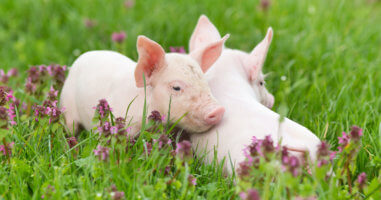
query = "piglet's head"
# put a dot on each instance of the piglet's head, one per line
(252, 63)
(177, 80)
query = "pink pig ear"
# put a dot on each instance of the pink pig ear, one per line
(151, 59)
(254, 62)
(204, 33)
(208, 55)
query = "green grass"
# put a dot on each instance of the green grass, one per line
(329, 52)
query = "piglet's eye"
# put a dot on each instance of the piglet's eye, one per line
(176, 88)
(261, 83)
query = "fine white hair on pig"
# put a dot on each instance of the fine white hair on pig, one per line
(233, 80)
(169, 77)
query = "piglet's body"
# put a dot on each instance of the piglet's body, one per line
(109, 75)
(233, 80)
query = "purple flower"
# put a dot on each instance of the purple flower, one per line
(192, 180)
(3, 113)
(8, 148)
(103, 108)
(3, 77)
(114, 130)
(52, 95)
(39, 111)
(291, 163)
(323, 149)
(30, 87)
(177, 49)
(265, 4)
(3, 94)
(33, 74)
(72, 141)
(322, 162)
(184, 149)
(243, 169)
(105, 129)
(57, 72)
(163, 140)
(344, 140)
(13, 72)
(12, 113)
(361, 180)
(155, 116)
(129, 3)
(54, 113)
(89, 23)
(332, 155)
(267, 144)
(356, 133)
(115, 194)
(251, 194)
(118, 37)
(102, 153)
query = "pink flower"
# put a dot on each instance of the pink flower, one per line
(356, 133)
(103, 108)
(265, 4)
(177, 50)
(3, 77)
(251, 194)
(155, 116)
(344, 140)
(114, 130)
(102, 153)
(332, 155)
(118, 37)
(52, 95)
(8, 149)
(129, 3)
(13, 72)
(72, 141)
(184, 149)
(29, 86)
(192, 180)
(12, 113)
(89, 23)
(361, 179)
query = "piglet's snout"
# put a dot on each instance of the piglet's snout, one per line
(214, 115)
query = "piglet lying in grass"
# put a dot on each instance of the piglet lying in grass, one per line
(236, 80)
(112, 76)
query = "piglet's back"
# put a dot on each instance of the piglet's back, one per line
(93, 76)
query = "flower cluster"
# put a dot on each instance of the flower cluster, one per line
(102, 153)
(6, 149)
(331, 167)
(4, 77)
(37, 76)
(115, 194)
(49, 107)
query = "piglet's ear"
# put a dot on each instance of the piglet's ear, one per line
(151, 59)
(254, 62)
(204, 33)
(208, 55)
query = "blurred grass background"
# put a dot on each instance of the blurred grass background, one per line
(328, 52)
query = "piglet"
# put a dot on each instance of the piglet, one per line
(237, 82)
(170, 77)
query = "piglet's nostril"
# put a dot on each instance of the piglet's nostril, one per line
(215, 115)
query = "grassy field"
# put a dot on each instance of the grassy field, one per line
(328, 53)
